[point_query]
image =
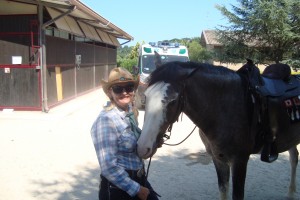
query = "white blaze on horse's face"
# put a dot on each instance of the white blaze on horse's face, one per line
(154, 118)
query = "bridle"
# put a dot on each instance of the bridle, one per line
(179, 110)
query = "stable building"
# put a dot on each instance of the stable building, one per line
(53, 51)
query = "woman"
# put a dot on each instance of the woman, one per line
(115, 134)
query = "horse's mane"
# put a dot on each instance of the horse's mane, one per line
(168, 72)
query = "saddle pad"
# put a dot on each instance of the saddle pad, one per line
(292, 106)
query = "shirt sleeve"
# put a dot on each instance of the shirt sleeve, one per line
(105, 138)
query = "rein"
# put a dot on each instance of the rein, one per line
(168, 137)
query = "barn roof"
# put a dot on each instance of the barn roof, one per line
(72, 16)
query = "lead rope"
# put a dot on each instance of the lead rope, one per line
(148, 167)
(170, 130)
(147, 177)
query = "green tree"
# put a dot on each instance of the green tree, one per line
(197, 53)
(264, 30)
(134, 53)
(123, 52)
(127, 57)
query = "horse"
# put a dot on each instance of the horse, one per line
(216, 99)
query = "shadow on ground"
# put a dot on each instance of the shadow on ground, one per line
(81, 186)
(180, 175)
(192, 176)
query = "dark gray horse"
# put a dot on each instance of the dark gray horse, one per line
(217, 101)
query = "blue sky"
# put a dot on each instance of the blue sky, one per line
(156, 20)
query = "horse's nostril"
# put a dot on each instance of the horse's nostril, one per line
(143, 152)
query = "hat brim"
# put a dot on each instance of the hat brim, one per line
(107, 85)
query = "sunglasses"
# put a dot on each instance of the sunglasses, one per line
(120, 89)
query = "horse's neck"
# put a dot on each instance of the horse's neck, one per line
(213, 100)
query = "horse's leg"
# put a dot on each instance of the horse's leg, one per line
(223, 173)
(239, 170)
(294, 161)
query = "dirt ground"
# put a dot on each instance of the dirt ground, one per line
(50, 156)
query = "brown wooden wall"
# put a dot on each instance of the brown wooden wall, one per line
(96, 61)
(20, 86)
(17, 35)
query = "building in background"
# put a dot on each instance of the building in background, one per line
(52, 51)
(209, 40)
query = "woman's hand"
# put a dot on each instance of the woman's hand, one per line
(143, 193)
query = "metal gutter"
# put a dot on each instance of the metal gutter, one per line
(125, 42)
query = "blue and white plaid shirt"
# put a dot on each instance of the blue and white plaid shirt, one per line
(115, 145)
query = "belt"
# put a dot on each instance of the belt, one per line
(136, 173)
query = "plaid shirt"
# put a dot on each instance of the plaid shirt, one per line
(115, 145)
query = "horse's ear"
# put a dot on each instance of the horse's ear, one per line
(249, 61)
(157, 61)
(246, 68)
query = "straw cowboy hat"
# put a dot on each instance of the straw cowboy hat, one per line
(118, 75)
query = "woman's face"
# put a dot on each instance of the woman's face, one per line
(122, 94)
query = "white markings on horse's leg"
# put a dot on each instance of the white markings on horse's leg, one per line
(294, 161)
(224, 192)
(223, 173)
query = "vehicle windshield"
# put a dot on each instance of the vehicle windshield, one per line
(148, 61)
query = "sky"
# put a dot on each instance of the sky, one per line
(157, 20)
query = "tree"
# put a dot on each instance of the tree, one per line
(127, 57)
(264, 30)
(135, 51)
(197, 53)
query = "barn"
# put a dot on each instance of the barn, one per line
(52, 51)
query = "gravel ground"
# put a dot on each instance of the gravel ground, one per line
(50, 156)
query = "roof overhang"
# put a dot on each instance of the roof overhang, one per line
(81, 13)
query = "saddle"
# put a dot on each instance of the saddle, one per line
(276, 82)
(279, 88)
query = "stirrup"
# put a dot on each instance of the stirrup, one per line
(269, 153)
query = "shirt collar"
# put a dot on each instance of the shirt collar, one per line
(121, 112)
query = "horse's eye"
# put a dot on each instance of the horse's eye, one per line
(172, 102)
(163, 101)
